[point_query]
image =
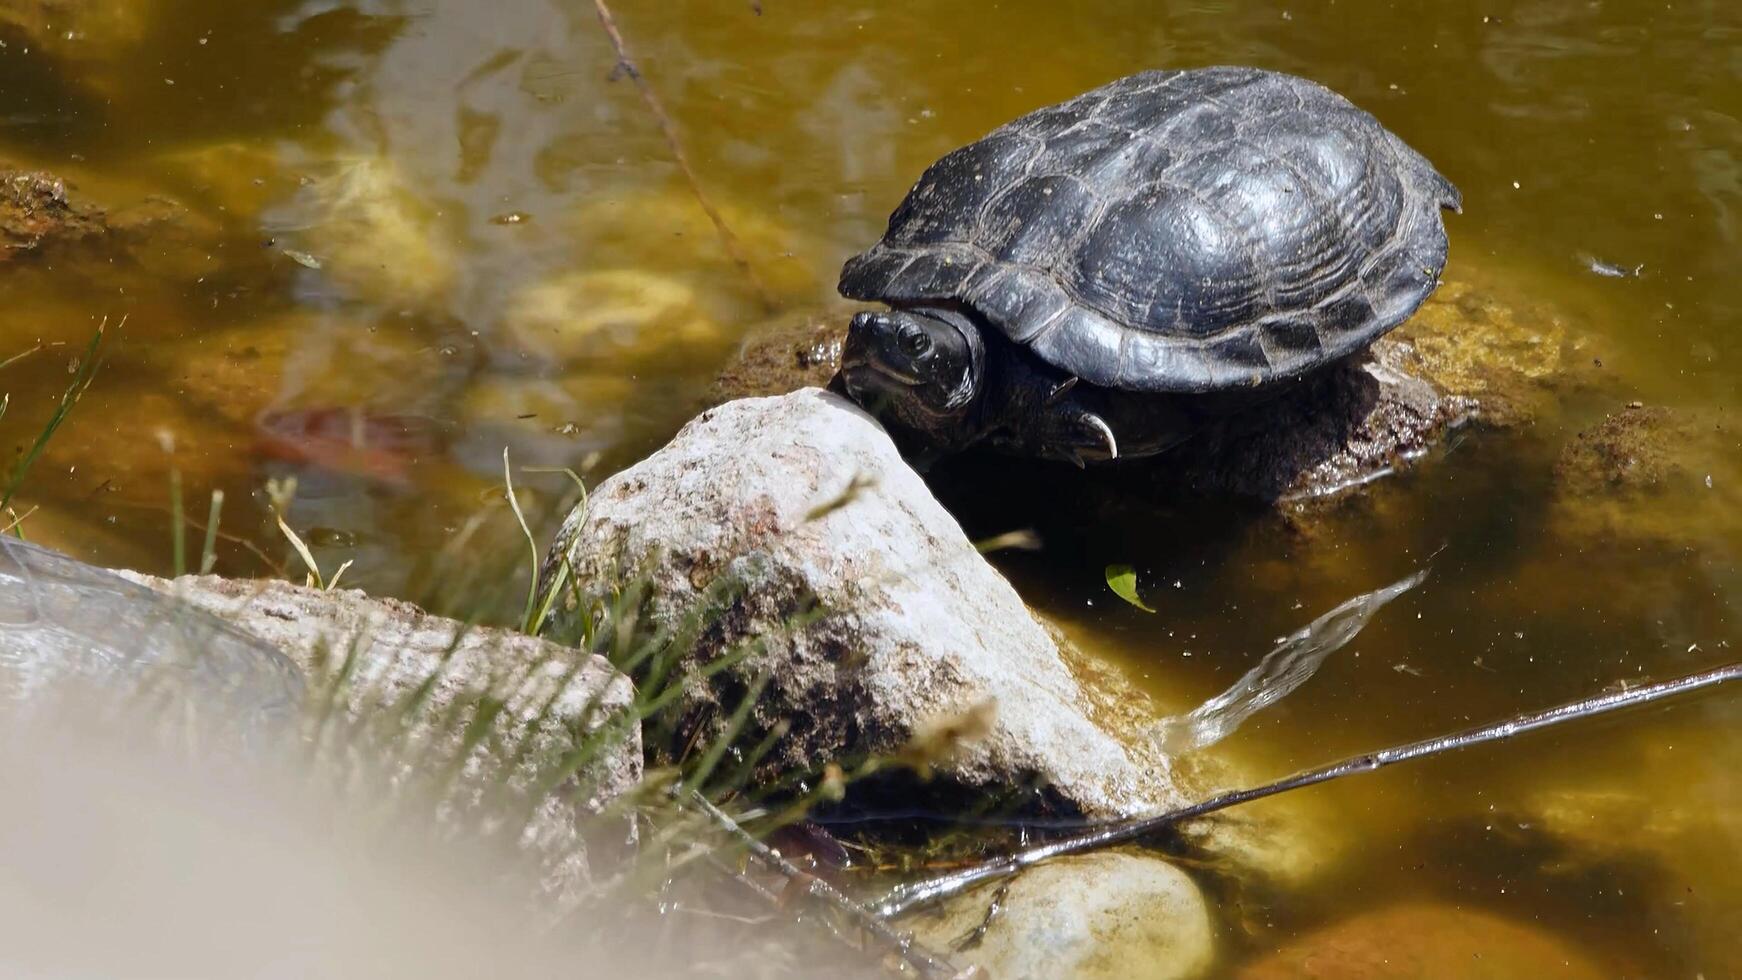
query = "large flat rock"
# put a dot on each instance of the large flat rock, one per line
(391, 654)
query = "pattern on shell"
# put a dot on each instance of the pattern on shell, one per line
(1175, 231)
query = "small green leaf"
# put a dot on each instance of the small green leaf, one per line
(1122, 579)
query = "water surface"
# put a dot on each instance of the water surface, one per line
(466, 175)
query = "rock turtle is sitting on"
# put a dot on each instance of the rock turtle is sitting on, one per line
(1102, 277)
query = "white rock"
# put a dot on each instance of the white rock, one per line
(1116, 916)
(804, 496)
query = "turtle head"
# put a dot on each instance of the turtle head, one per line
(924, 368)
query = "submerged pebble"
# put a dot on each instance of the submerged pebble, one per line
(1427, 942)
(665, 231)
(1109, 916)
(612, 318)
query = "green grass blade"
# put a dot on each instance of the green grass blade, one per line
(84, 373)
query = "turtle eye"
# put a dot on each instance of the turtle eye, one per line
(914, 343)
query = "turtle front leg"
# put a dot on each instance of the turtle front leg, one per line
(1041, 413)
(1071, 433)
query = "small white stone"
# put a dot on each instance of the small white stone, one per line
(1094, 917)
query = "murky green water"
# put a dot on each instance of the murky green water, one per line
(462, 172)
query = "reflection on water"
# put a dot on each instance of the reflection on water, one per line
(1284, 669)
(370, 243)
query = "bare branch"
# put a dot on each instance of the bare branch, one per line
(734, 247)
(919, 894)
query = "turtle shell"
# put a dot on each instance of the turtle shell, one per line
(1179, 231)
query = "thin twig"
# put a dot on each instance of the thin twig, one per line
(773, 899)
(907, 898)
(17, 519)
(734, 247)
(929, 964)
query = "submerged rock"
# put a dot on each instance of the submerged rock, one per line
(791, 351)
(36, 215)
(88, 21)
(364, 228)
(227, 398)
(301, 359)
(1116, 916)
(1650, 475)
(1427, 942)
(238, 179)
(389, 651)
(545, 421)
(793, 523)
(1354, 424)
(664, 231)
(1653, 820)
(1480, 338)
(122, 233)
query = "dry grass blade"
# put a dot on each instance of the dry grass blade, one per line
(1023, 540)
(21, 355)
(17, 521)
(209, 547)
(308, 558)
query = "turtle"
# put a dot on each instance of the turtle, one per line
(1101, 278)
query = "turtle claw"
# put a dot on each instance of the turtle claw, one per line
(1106, 432)
(1087, 438)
